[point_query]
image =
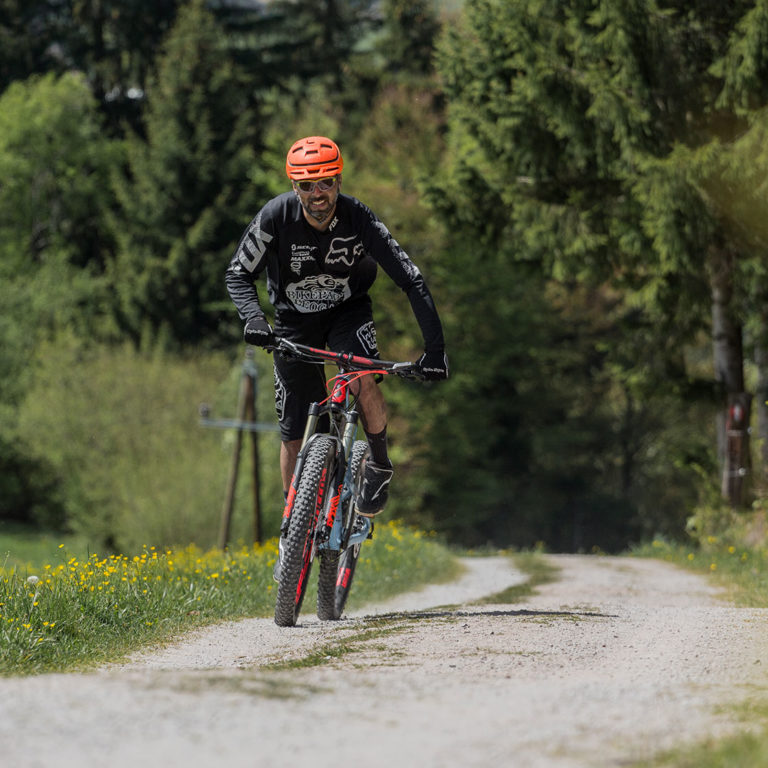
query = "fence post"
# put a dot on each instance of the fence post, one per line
(229, 499)
(250, 415)
(735, 483)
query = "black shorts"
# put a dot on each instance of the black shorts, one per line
(346, 328)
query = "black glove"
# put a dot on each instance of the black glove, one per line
(434, 365)
(259, 332)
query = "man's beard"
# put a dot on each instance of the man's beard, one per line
(318, 214)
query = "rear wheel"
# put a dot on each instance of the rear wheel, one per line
(299, 543)
(337, 571)
(345, 574)
(326, 580)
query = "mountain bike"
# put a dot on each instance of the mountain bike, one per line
(320, 519)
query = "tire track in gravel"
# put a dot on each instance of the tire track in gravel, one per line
(616, 660)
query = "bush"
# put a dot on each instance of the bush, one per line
(120, 430)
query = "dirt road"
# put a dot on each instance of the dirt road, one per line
(616, 660)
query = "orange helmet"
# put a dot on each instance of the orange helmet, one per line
(313, 158)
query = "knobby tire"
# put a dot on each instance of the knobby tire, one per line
(313, 484)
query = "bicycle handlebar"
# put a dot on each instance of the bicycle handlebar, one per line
(346, 360)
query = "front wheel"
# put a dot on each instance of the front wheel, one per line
(298, 550)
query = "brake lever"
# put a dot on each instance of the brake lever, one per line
(280, 345)
(408, 370)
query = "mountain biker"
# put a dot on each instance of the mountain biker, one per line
(320, 250)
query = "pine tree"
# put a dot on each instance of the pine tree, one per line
(604, 130)
(112, 42)
(408, 36)
(190, 189)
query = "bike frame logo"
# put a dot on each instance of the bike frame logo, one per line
(320, 494)
(333, 507)
(339, 251)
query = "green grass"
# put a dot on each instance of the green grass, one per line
(166, 476)
(743, 574)
(746, 750)
(376, 628)
(22, 546)
(74, 612)
(539, 572)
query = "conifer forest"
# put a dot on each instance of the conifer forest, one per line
(583, 183)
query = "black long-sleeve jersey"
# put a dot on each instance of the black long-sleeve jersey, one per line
(312, 271)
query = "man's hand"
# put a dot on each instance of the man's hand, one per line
(259, 332)
(434, 365)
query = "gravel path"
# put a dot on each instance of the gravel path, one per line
(618, 659)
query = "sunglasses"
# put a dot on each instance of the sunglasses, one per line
(322, 184)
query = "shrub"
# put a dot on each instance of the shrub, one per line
(120, 430)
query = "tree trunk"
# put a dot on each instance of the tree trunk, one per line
(761, 395)
(733, 419)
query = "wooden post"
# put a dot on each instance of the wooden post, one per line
(737, 459)
(250, 415)
(229, 500)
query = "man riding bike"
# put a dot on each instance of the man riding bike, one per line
(320, 250)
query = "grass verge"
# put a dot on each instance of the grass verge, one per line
(743, 574)
(746, 750)
(79, 612)
(740, 571)
(22, 546)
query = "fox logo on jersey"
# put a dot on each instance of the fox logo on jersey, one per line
(339, 251)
